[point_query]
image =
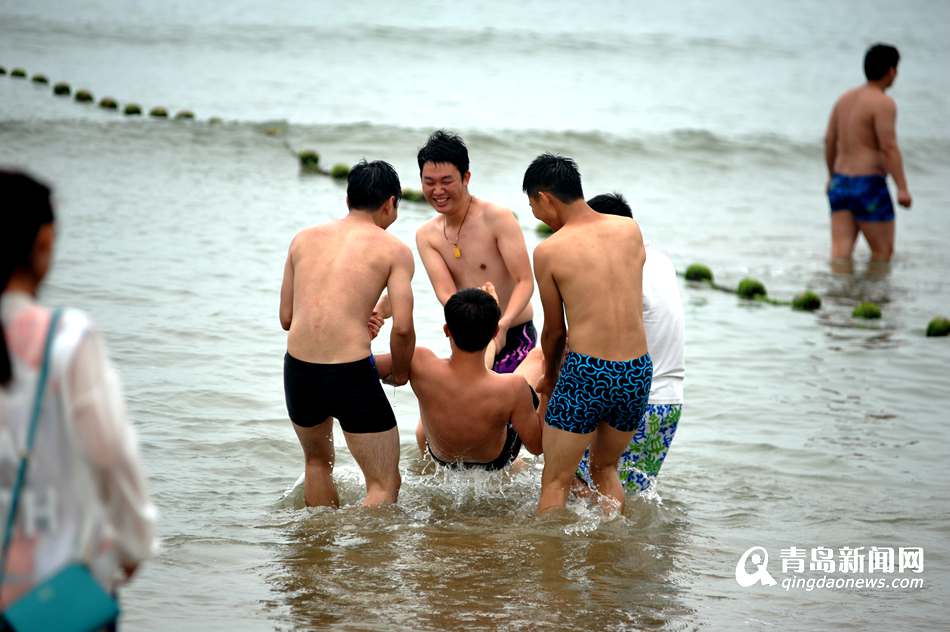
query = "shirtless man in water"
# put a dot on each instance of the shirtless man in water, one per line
(471, 242)
(860, 150)
(471, 417)
(333, 277)
(592, 268)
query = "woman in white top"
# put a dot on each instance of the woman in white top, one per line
(84, 498)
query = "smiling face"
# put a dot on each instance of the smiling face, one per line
(444, 187)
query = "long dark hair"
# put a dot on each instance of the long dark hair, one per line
(25, 207)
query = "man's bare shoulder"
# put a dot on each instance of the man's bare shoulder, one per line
(429, 228)
(313, 233)
(496, 214)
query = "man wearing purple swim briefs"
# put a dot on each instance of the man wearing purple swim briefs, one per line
(471, 242)
(860, 150)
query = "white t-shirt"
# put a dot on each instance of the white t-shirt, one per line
(665, 327)
(85, 496)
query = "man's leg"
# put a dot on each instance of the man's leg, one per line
(562, 452)
(880, 236)
(317, 444)
(377, 454)
(844, 232)
(605, 450)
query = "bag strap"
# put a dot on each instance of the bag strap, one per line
(28, 448)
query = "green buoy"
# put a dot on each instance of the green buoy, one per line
(84, 96)
(158, 112)
(807, 301)
(938, 326)
(132, 109)
(18, 73)
(108, 103)
(699, 272)
(309, 161)
(340, 171)
(751, 288)
(543, 229)
(40, 79)
(62, 89)
(185, 115)
(867, 310)
(413, 195)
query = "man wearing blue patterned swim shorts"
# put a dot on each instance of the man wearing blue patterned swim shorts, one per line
(860, 150)
(664, 322)
(591, 268)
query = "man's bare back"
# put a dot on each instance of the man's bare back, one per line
(862, 118)
(465, 413)
(339, 271)
(603, 302)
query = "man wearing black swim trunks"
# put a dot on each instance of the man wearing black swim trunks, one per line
(333, 277)
(860, 150)
(471, 417)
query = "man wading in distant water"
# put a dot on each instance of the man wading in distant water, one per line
(860, 149)
(333, 277)
(472, 242)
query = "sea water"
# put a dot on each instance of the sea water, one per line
(804, 430)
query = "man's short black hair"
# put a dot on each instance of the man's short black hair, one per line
(370, 184)
(444, 147)
(879, 59)
(472, 316)
(610, 204)
(557, 175)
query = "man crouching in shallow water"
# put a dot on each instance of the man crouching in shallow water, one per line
(471, 417)
(334, 275)
(592, 268)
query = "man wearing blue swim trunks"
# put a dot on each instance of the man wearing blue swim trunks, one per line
(860, 150)
(592, 269)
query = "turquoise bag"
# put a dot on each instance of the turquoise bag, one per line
(71, 600)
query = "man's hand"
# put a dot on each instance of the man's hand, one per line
(375, 324)
(502, 335)
(903, 198)
(544, 386)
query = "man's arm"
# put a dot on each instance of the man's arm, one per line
(514, 253)
(384, 363)
(287, 291)
(885, 127)
(438, 272)
(402, 339)
(525, 418)
(384, 308)
(831, 141)
(554, 333)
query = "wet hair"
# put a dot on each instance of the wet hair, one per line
(26, 209)
(879, 59)
(472, 316)
(444, 147)
(610, 204)
(370, 184)
(557, 175)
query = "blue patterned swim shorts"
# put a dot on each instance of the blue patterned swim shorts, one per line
(641, 462)
(590, 390)
(866, 197)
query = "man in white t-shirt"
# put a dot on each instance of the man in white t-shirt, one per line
(665, 329)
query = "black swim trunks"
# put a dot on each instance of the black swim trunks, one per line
(350, 392)
(509, 452)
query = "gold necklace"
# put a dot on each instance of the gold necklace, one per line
(457, 251)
